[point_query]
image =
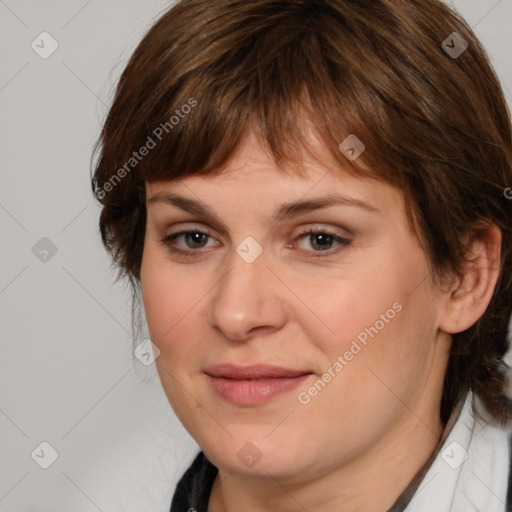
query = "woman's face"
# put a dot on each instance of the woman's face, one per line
(336, 290)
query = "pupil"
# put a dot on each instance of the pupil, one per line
(197, 238)
(321, 240)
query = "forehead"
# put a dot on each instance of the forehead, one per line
(252, 185)
(252, 168)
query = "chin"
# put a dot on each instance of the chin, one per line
(255, 456)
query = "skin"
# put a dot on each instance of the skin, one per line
(358, 442)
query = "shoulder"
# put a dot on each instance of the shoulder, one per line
(193, 490)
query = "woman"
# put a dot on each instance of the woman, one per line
(310, 199)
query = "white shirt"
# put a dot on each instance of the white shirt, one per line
(471, 470)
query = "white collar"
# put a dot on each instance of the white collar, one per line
(471, 470)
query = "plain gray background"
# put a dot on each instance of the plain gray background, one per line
(67, 373)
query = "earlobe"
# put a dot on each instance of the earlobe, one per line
(470, 295)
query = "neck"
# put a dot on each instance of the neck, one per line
(371, 482)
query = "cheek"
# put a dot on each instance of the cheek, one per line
(374, 318)
(169, 309)
(376, 363)
(164, 297)
(158, 305)
(337, 310)
(173, 305)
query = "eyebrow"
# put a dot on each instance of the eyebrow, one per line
(284, 211)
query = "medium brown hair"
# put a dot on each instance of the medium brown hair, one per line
(435, 124)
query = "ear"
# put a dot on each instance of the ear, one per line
(470, 295)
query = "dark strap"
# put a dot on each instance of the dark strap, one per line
(509, 491)
(193, 490)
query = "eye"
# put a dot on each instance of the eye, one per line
(188, 242)
(322, 242)
(315, 243)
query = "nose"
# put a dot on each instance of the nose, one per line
(247, 300)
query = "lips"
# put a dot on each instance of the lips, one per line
(259, 371)
(255, 384)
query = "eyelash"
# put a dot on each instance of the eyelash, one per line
(194, 253)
